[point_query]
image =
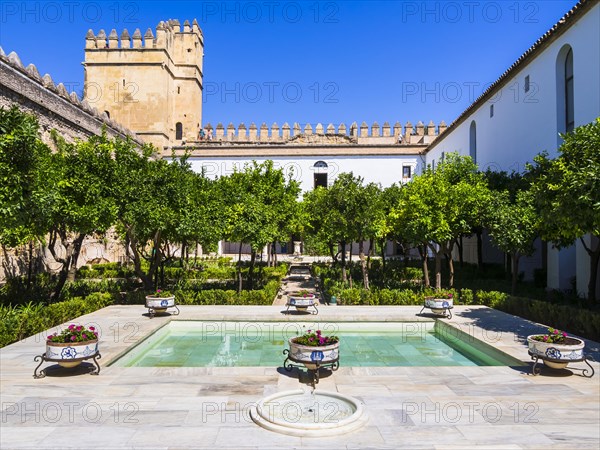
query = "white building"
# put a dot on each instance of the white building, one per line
(552, 88)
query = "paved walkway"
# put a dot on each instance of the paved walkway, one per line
(184, 408)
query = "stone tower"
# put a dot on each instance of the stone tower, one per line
(151, 86)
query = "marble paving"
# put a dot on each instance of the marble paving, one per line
(198, 407)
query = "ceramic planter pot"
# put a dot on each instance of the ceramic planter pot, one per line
(301, 301)
(556, 356)
(70, 354)
(438, 305)
(159, 304)
(311, 356)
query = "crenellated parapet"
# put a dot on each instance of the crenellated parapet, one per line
(163, 36)
(158, 71)
(362, 134)
(54, 106)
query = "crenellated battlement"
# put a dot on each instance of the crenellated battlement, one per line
(166, 32)
(362, 134)
(52, 103)
(158, 72)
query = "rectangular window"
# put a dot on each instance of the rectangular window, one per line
(527, 83)
(491, 110)
(406, 171)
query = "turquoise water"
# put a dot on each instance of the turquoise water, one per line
(250, 344)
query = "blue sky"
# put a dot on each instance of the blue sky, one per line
(307, 61)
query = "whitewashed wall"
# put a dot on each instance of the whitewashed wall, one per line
(525, 124)
(379, 169)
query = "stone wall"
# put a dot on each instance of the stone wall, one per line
(152, 86)
(54, 107)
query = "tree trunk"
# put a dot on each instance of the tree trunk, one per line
(72, 252)
(371, 241)
(423, 252)
(363, 264)
(275, 261)
(515, 271)
(251, 269)
(448, 252)
(8, 267)
(350, 267)
(239, 265)
(438, 267)
(479, 249)
(594, 260)
(344, 278)
(451, 266)
(30, 265)
(460, 245)
(77, 243)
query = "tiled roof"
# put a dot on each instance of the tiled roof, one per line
(559, 28)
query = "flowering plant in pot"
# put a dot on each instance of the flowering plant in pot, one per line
(160, 293)
(556, 348)
(315, 339)
(313, 349)
(72, 345)
(439, 301)
(158, 302)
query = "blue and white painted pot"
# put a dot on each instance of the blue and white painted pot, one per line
(70, 354)
(439, 305)
(160, 304)
(310, 356)
(302, 302)
(561, 354)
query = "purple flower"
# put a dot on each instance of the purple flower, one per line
(92, 328)
(79, 328)
(71, 326)
(73, 338)
(84, 336)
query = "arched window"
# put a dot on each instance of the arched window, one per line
(565, 98)
(320, 176)
(569, 100)
(178, 131)
(473, 142)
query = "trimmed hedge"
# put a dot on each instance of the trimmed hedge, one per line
(22, 321)
(583, 322)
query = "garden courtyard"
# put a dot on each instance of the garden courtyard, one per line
(208, 407)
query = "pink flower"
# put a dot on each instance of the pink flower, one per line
(71, 326)
(79, 328)
(564, 334)
(84, 336)
(92, 328)
(545, 338)
(73, 338)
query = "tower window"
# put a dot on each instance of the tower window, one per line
(178, 131)
(491, 110)
(527, 83)
(406, 171)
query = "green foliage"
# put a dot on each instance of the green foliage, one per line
(19, 322)
(567, 194)
(23, 169)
